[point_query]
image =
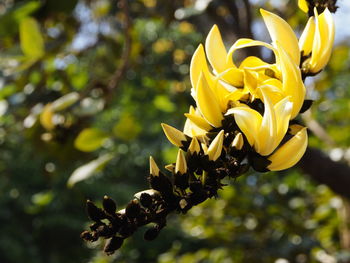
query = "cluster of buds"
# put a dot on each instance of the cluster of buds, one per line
(245, 116)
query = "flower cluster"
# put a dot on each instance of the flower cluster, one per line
(245, 116)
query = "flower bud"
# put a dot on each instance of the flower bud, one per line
(146, 200)
(112, 245)
(215, 148)
(94, 213)
(238, 141)
(181, 165)
(151, 233)
(133, 209)
(109, 205)
(194, 146)
(153, 168)
(175, 136)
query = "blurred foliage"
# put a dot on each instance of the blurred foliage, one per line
(62, 125)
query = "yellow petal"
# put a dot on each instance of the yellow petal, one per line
(281, 31)
(236, 95)
(233, 76)
(198, 65)
(207, 103)
(274, 88)
(252, 62)
(303, 5)
(248, 120)
(216, 51)
(194, 146)
(181, 164)
(323, 41)
(170, 167)
(293, 85)
(153, 168)
(250, 81)
(199, 121)
(268, 129)
(307, 37)
(283, 111)
(175, 136)
(238, 141)
(290, 152)
(215, 148)
(204, 147)
(244, 43)
(192, 130)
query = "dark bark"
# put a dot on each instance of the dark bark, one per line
(336, 175)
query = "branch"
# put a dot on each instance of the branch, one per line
(336, 175)
(120, 71)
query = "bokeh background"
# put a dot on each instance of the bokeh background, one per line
(84, 86)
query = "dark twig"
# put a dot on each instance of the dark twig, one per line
(120, 71)
(336, 175)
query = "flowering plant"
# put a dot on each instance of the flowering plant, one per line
(245, 116)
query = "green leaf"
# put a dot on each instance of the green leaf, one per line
(65, 101)
(127, 128)
(90, 139)
(163, 103)
(32, 42)
(42, 198)
(88, 170)
(10, 20)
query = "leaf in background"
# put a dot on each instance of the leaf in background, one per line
(89, 169)
(90, 139)
(127, 128)
(65, 101)
(42, 198)
(46, 117)
(32, 42)
(9, 21)
(163, 103)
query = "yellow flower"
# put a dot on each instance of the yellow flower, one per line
(266, 132)
(291, 152)
(227, 82)
(317, 40)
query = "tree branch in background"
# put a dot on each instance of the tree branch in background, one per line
(120, 71)
(336, 175)
(317, 129)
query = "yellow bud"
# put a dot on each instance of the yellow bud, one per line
(175, 136)
(238, 141)
(153, 168)
(181, 164)
(194, 146)
(170, 167)
(205, 148)
(215, 148)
